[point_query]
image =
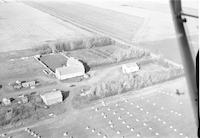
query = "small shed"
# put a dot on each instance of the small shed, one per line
(28, 84)
(6, 101)
(52, 97)
(130, 68)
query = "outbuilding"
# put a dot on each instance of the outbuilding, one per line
(130, 68)
(6, 101)
(73, 68)
(27, 84)
(52, 97)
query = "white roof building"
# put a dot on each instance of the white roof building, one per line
(130, 67)
(6, 101)
(52, 97)
(74, 68)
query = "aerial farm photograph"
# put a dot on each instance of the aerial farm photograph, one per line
(99, 69)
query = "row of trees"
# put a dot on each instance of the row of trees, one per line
(73, 44)
(68, 45)
(133, 81)
(129, 53)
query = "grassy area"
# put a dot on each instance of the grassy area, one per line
(107, 54)
(152, 71)
(145, 77)
(20, 68)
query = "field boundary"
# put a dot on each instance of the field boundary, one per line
(99, 32)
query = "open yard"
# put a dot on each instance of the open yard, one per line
(23, 70)
(20, 68)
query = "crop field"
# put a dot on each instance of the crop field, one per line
(23, 27)
(135, 22)
(102, 20)
(158, 113)
(54, 61)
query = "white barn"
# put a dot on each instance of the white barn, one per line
(73, 68)
(52, 97)
(130, 68)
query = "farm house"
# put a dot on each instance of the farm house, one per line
(130, 68)
(73, 68)
(52, 97)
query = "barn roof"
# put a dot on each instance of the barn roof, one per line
(70, 69)
(73, 66)
(52, 95)
(130, 65)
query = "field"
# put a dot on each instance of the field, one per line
(136, 22)
(158, 112)
(54, 61)
(23, 27)
(102, 20)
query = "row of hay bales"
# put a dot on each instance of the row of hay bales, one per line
(61, 45)
(138, 80)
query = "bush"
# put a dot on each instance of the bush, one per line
(68, 45)
(129, 53)
(101, 41)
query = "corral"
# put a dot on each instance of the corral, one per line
(108, 54)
